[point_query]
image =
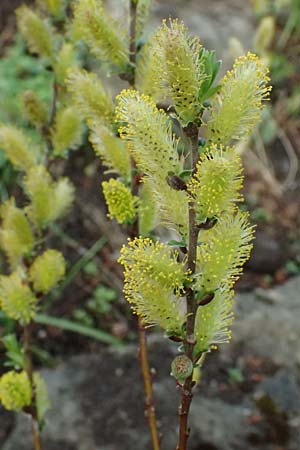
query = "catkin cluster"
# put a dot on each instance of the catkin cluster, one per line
(146, 131)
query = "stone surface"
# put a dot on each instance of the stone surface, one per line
(96, 399)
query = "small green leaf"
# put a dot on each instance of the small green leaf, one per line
(174, 243)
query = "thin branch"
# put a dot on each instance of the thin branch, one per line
(29, 370)
(187, 389)
(46, 129)
(150, 408)
(132, 44)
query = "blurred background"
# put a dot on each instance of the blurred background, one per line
(250, 392)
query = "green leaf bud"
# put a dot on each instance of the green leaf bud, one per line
(182, 368)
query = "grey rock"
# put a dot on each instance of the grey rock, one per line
(271, 330)
(97, 400)
(283, 389)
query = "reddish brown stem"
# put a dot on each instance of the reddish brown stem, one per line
(37, 443)
(149, 400)
(189, 343)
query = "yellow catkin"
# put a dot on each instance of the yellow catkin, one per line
(17, 147)
(15, 390)
(16, 298)
(212, 325)
(16, 236)
(111, 149)
(120, 202)
(101, 32)
(67, 131)
(90, 97)
(236, 109)
(223, 251)
(215, 186)
(37, 31)
(148, 132)
(47, 271)
(154, 282)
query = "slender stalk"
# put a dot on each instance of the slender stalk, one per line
(187, 389)
(132, 31)
(37, 442)
(150, 409)
(133, 232)
(46, 130)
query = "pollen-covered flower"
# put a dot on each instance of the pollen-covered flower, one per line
(213, 321)
(15, 390)
(34, 109)
(223, 251)
(149, 59)
(110, 148)
(265, 34)
(54, 7)
(90, 97)
(147, 211)
(149, 133)
(236, 109)
(49, 200)
(16, 298)
(120, 202)
(41, 396)
(142, 15)
(67, 131)
(64, 62)
(47, 271)
(17, 147)
(36, 31)
(215, 185)
(16, 237)
(154, 148)
(172, 205)
(154, 281)
(101, 32)
(183, 71)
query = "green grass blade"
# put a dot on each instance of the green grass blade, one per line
(68, 325)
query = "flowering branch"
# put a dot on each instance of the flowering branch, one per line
(189, 342)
